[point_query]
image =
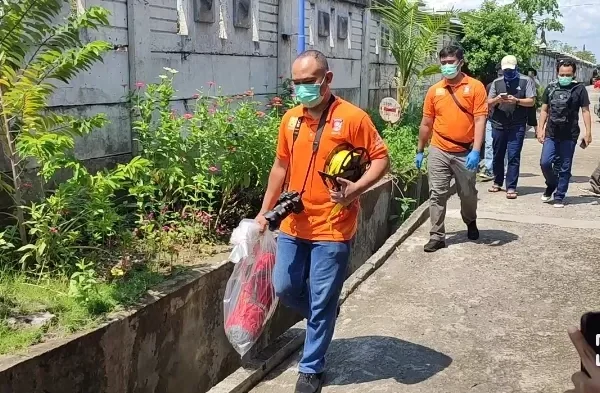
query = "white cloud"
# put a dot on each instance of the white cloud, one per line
(581, 27)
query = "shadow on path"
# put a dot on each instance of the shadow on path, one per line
(366, 359)
(490, 237)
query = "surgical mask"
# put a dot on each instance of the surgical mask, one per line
(449, 71)
(309, 95)
(510, 74)
(565, 80)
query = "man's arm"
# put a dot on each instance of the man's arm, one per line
(587, 120)
(479, 132)
(493, 97)
(425, 130)
(530, 93)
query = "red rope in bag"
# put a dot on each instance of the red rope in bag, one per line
(246, 322)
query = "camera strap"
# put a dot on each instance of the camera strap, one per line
(316, 142)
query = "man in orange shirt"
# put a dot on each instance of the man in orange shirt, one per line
(313, 249)
(455, 112)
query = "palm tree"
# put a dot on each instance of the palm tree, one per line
(414, 36)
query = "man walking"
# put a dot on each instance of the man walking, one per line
(313, 249)
(455, 112)
(559, 129)
(487, 172)
(511, 98)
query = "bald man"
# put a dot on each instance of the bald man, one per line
(313, 248)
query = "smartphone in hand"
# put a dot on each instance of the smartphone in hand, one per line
(582, 144)
(503, 95)
(590, 328)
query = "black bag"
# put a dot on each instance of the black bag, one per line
(559, 102)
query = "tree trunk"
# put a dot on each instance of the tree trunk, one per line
(10, 152)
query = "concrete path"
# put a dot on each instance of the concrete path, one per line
(483, 317)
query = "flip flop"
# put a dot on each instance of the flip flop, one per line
(495, 188)
(511, 194)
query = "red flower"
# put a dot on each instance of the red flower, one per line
(276, 99)
(140, 85)
(188, 116)
(53, 230)
(213, 169)
(26, 185)
(260, 114)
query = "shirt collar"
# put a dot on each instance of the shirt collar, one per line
(335, 103)
(464, 81)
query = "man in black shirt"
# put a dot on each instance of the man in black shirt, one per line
(559, 129)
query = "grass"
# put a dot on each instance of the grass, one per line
(20, 296)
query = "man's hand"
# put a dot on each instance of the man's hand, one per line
(511, 99)
(473, 160)
(588, 138)
(583, 383)
(348, 193)
(262, 221)
(419, 160)
(541, 134)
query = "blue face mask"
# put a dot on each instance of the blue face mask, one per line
(309, 95)
(449, 71)
(510, 75)
(565, 80)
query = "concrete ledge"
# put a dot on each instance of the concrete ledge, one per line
(244, 379)
(175, 340)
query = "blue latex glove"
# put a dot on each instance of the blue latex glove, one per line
(419, 160)
(473, 160)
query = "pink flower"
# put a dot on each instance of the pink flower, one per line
(164, 210)
(26, 185)
(188, 116)
(260, 114)
(229, 100)
(196, 96)
(211, 84)
(140, 85)
(166, 228)
(150, 216)
(213, 169)
(211, 111)
(53, 230)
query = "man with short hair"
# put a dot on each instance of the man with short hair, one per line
(454, 116)
(313, 248)
(511, 98)
(559, 129)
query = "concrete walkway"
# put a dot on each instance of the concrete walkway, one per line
(489, 316)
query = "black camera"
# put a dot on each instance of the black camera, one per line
(288, 202)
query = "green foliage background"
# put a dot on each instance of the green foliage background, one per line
(493, 32)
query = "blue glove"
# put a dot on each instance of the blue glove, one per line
(419, 160)
(473, 160)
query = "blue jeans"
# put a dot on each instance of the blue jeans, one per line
(489, 148)
(558, 182)
(508, 141)
(308, 277)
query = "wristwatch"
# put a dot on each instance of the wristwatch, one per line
(518, 101)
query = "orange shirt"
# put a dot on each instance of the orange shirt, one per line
(346, 123)
(448, 119)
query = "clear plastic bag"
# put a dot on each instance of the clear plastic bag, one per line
(249, 299)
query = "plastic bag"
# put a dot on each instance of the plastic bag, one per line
(249, 299)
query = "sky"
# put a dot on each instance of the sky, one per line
(580, 22)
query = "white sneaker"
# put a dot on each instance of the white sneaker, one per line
(546, 199)
(559, 205)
